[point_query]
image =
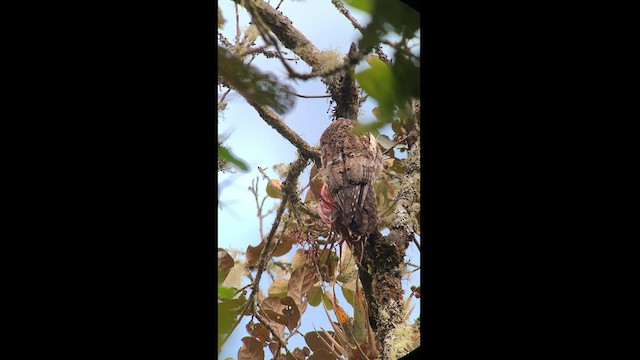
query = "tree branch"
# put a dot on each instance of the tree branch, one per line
(271, 330)
(340, 6)
(383, 260)
(268, 19)
(279, 125)
(288, 190)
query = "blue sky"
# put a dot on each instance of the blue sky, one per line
(252, 140)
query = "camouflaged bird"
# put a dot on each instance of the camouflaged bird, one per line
(350, 165)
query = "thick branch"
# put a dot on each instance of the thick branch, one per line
(383, 260)
(282, 27)
(279, 125)
(338, 85)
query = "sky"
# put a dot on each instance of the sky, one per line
(259, 145)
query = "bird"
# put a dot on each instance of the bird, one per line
(350, 165)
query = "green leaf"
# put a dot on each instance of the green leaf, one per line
(315, 296)
(360, 318)
(379, 83)
(228, 313)
(255, 86)
(327, 301)
(364, 5)
(226, 292)
(404, 19)
(406, 73)
(348, 291)
(225, 154)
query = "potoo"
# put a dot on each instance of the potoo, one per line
(350, 165)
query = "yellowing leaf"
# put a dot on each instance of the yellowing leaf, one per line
(347, 262)
(278, 288)
(341, 314)
(221, 20)
(299, 259)
(234, 278)
(399, 166)
(274, 188)
(348, 291)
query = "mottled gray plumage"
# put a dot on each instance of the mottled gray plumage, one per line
(350, 165)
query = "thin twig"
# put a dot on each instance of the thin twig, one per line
(266, 177)
(237, 26)
(340, 6)
(396, 143)
(271, 330)
(224, 96)
(263, 50)
(254, 191)
(224, 40)
(309, 183)
(415, 241)
(309, 96)
(242, 288)
(282, 265)
(292, 39)
(280, 126)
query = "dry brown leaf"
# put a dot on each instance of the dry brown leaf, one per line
(276, 317)
(322, 354)
(225, 263)
(253, 254)
(313, 195)
(273, 305)
(251, 349)
(313, 339)
(284, 247)
(291, 311)
(258, 331)
(302, 280)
